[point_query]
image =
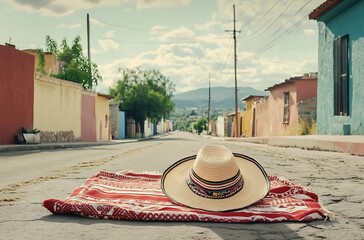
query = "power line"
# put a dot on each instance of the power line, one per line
(259, 33)
(125, 27)
(227, 56)
(162, 42)
(285, 33)
(261, 19)
(299, 10)
(272, 39)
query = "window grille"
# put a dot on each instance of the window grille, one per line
(286, 108)
(341, 76)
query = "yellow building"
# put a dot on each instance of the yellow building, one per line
(248, 116)
(102, 111)
(61, 106)
(57, 109)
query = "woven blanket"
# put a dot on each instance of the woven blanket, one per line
(134, 196)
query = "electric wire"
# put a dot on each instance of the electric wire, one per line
(266, 29)
(261, 19)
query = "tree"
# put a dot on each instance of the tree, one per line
(41, 61)
(74, 66)
(200, 125)
(144, 94)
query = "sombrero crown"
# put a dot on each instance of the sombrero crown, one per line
(215, 180)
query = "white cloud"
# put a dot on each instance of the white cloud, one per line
(95, 22)
(109, 73)
(93, 51)
(108, 44)
(62, 7)
(158, 29)
(261, 18)
(70, 26)
(211, 50)
(249, 71)
(141, 4)
(179, 34)
(215, 22)
(188, 66)
(126, 10)
(171, 60)
(309, 31)
(110, 34)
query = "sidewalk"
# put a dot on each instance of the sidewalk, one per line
(353, 144)
(63, 145)
(46, 146)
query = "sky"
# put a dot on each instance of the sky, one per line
(188, 41)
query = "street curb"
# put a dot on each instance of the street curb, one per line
(52, 146)
(41, 146)
(355, 148)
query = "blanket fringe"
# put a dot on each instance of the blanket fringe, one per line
(328, 214)
(142, 172)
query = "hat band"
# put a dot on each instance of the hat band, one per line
(214, 190)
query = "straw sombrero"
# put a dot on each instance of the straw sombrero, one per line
(215, 180)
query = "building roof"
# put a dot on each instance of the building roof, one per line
(36, 51)
(323, 8)
(230, 114)
(105, 95)
(307, 76)
(253, 96)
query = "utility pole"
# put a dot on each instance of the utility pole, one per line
(208, 110)
(88, 44)
(236, 81)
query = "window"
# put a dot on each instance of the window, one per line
(341, 76)
(286, 108)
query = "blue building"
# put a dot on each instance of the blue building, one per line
(340, 90)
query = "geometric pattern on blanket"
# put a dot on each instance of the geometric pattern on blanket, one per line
(129, 195)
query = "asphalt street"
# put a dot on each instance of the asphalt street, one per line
(29, 177)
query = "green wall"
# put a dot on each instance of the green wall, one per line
(346, 18)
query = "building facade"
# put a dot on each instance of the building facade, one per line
(249, 115)
(16, 92)
(287, 105)
(61, 110)
(340, 100)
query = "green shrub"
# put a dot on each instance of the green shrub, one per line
(308, 126)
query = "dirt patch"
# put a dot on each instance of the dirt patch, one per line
(65, 172)
(7, 201)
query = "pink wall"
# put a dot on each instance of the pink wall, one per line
(269, 114)
(16, 92)
(88, 118)
(262, 119)
(278, 104)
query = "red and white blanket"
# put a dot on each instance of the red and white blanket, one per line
(133, 196)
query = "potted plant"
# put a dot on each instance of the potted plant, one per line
(29, 135)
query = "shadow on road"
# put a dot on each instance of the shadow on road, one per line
(282, 230)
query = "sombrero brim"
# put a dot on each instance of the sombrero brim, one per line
(256, 186)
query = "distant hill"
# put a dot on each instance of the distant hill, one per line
(221, 97)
